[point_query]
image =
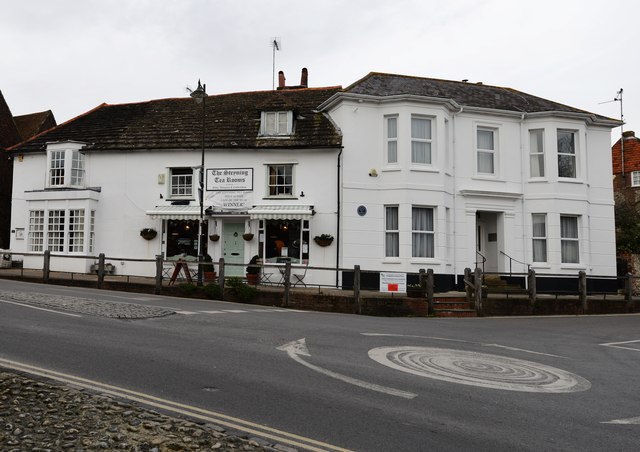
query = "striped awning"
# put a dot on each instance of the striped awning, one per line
(281, 212)
(175, 213)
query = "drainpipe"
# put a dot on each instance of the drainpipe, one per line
(338, 189)
(523, 175)
(455, 193)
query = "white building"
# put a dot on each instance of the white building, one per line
(405, 172)
(443, 175)
(94, 183)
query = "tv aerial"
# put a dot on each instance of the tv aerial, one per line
(276, 44)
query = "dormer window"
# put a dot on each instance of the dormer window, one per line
(276, 123)
(66, 166)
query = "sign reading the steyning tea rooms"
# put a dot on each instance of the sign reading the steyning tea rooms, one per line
(225, 179)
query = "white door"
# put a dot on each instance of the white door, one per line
(233, 248)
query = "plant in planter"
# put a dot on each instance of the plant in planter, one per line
(323, 239)
(415, 291)
(253, 271)
(208, 270)
(248, 236)
(214, 237)
(148, 233)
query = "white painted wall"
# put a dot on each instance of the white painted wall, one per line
(457, 193)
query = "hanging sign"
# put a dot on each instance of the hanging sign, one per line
(229, 179)
(393, 282)
(229, 200)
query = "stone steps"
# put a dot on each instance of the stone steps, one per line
(453, 307)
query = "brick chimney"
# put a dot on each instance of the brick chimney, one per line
(281, 80)
(628, 134)
(304, 79)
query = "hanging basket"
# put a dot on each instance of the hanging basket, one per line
(148, 233)
(248, 236)
(323, 241)
(214, 237)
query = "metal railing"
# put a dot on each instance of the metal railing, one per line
(511, 260)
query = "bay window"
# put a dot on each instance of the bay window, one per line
(569, 240)
(567, 153)
(422, 232)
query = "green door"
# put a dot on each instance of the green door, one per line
(233, 249)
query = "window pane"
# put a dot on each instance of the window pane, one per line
(421, 128)
(392, 127)
(635, 178)
(280, 180)
(392, 152)
(420, 152)
(566, 143)
(539, 227)
(569, 227)
(536, 143)
(422, 237)
(282, 123)
(270, 127)
(485, 162)
(485, 139)
(392, 236)
(570, 252)
(537, 165)
(539, 250)
(569, 246)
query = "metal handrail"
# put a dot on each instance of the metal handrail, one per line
(484, 259)
(511, 259)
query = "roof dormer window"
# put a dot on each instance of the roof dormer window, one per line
(276, 123)
(66, 165)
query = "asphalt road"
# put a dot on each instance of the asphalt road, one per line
(354, 382)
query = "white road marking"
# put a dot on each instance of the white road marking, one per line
(479, 369)
(40, 309)
(212, 312)
(628, 421)
(278, 436)
(298, 348)
(465, 342)
(186, 312)
(619, 345)
(235, 311)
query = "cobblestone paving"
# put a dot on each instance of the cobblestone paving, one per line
(86, 306)
(37, 416)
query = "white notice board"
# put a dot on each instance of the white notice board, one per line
(393, 282)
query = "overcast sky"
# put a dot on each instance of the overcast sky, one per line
(70, 56)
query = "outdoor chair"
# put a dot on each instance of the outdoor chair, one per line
(298, 278)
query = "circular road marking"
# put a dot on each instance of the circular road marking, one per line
(479, 369)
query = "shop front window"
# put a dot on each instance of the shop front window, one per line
(284, 240)
(182, 240)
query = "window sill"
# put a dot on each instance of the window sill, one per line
(573, 267)
(569, 180)
(274, 137)
(425, 260)
(538, 180)
(487, 177)
(390, 169)
(424, 169)
(391, 260)
(542, 265)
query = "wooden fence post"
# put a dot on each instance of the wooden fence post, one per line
(582, 290)
(46, 266)
(356, 288)
(430, 282)
(477, 287)
(287, 283)
(100, 270)
(221, 273)
(159, 266)
(533, 292)
(628, 292)
(468, 286)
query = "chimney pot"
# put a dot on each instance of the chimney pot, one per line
(629, 134)
(304, 79)
(281, 80)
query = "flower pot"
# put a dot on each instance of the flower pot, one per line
(214, 237)
(209, 276)
(148, 234)
(323, 242)
(253, 279)
(248, 236)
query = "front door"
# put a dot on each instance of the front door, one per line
(233, 248)
(487, 240)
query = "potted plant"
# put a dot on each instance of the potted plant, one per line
(323, 239)
(253, 271)
(415, 291)
(208, 270)
(248, 236)
(214, 237)
(148, 233)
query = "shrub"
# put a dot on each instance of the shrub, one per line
(213, 291)
(240, 290)
(187, 288)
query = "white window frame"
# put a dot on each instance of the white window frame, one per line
(492, 152)
(276, 123)
(391, 232)
(568, 155)
(427, 140)
(65, 168)
(56, 226)
(635, 178)
(75, 230)
(539, 237)
(567, 240)
(391, 139)
(276, 188)
(536, 153)
(416, 232)
(35, 236)
(181, 180)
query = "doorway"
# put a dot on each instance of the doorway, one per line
(488, 240)
(233, 248)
